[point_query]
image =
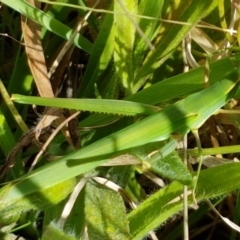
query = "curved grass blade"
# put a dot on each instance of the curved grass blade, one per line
(48, 22)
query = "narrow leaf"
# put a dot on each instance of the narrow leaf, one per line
(171, 35)
(165, 203)
(124, 40)
(49, 22)
(120, 107)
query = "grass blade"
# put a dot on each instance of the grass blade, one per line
(161, 205)
(48, 22)
(126, 108)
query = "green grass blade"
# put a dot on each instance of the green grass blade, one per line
(194, 218)
(100, 58)
(7, 140)
(171, 35)
(149, 27)
(48, 22)
(126, 108)
(210, 184)
(124, 41)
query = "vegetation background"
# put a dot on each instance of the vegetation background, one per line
(100, 105)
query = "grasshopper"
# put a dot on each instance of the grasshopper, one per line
(180, 117)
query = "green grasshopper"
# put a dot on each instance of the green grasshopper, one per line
(180, 117)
